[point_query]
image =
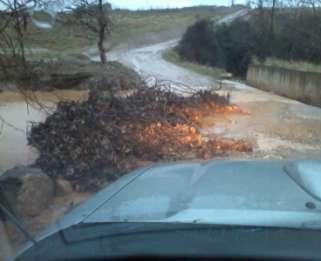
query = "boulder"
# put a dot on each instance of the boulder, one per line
(63, 187)
(116, 77)
(26, 191)
(70, 80)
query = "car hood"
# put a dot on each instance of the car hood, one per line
(216, 192)
(282, 194)
(265, 193)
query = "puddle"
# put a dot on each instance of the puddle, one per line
(16, 118)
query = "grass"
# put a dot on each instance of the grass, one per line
(64, 43)
(136, 24)
(128, 26)
(36, 55)
(292, 65)
(171, 56)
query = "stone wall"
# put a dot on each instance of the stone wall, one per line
(298, 85)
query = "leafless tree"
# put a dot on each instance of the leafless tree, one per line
(95, 15)
(13, 27)
(15, 16)
(273, 7)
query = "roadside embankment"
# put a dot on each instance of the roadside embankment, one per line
(298, 85)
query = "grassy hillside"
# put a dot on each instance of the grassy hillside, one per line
(63, 45)
(291, 65)
(129, 26)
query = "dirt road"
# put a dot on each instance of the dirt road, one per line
(147, 60)
(279, 127)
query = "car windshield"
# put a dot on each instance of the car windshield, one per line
(212, 107)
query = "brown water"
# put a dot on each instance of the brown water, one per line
(16, 114)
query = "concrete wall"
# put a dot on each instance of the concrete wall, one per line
(302, 86)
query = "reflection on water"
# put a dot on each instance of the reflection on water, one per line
(16, 117)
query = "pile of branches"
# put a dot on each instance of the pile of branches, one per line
(92, 142)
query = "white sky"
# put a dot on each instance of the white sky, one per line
(146, 4)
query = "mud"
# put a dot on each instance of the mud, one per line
(17, 114)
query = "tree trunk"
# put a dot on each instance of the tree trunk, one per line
(272, 17)
(101, 48)
(271, 31)
(102, 33)
(20, 39)
(25, 22)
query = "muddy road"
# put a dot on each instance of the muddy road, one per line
(147, 60)
(280, 128)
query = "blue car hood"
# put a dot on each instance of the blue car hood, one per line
(285, 194)
(263, 193)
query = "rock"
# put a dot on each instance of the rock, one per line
(72, 80)
(226, 76)
(25, 190)
(116, 77)
(63, 187)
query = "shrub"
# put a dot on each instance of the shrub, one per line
(298, 38)
(227, 47)
(200, 44)
(236, 41)
(290, 37)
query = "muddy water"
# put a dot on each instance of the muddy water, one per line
(16, 117)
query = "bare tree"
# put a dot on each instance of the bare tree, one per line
(95, 15)
(13, 27)
(273, 7)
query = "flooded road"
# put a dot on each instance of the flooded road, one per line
(279, 128)
(16, 117)
(148, 62)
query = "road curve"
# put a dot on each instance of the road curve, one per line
(148, 62)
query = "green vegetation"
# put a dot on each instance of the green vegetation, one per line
(70, 72)
(226, 46)
(129, 26)
(43, 54)
(59, 39)
(57, 54)
(292, 65)
(292, 38)
(171, 56)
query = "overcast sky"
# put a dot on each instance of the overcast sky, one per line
(146, 4)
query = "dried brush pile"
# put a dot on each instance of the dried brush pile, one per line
(92, 142)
